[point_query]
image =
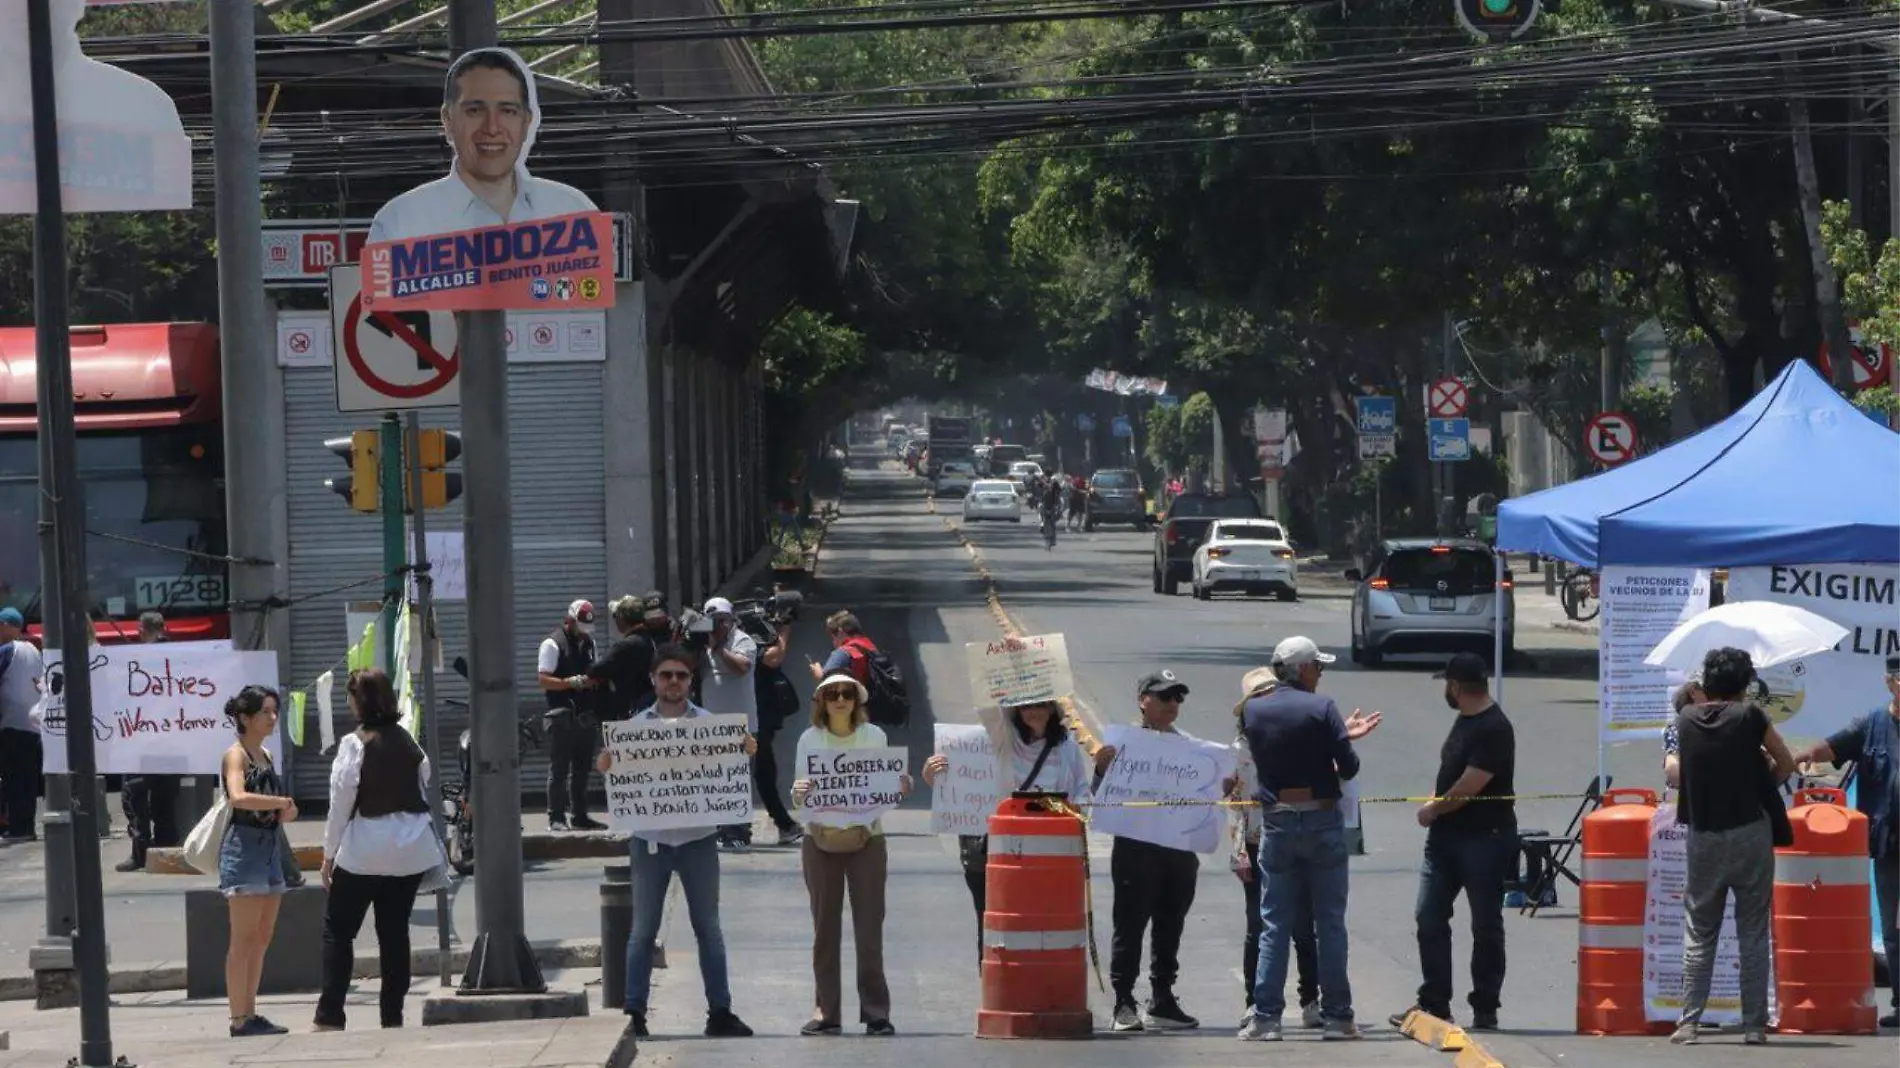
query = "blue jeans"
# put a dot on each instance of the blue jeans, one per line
(1475, 864)
(697, 865)
(1887, 905)
(1303, 877)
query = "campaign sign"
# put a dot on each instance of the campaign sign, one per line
(557, 264)
(666, 774)
(156, 709)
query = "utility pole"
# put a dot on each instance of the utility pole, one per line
(59, 481)
(1448, 471)
(425, 604)
(1826, 290)
(243, 327)
(500, 959)
(389, 483)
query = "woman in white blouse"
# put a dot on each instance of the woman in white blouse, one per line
(377, 846)
(841, 856)
(1044, 757)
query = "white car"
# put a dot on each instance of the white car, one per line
(954, 479)
(992, 498)
(1249, 555)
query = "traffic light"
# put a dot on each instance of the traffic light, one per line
(1497, 21)
(361, 452)
(436, 449)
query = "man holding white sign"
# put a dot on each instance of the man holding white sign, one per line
(1153, 865)
(674, 773)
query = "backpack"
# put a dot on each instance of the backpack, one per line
(777, 698)
(890, 699)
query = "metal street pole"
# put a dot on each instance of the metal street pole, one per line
(243, 325)
(425, 598)
(55, 950)
(60, 479)
(1448, 471)
(500, 959)
(389, 476)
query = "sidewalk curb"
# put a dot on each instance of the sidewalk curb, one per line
(1575, 627)
(167, 975)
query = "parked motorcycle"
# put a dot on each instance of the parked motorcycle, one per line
(458, 800)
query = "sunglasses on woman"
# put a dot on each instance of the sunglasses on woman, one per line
(840, 693)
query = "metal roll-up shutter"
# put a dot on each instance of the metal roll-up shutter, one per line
(558, 475)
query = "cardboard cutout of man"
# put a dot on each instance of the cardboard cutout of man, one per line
(122, 145)
(490, 114)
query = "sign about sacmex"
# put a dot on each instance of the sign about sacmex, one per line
(671, 773)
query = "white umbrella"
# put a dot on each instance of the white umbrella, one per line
(1768, 632)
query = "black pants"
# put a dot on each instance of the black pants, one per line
(151, 812)
(573, 743)
(351, 897)
(977, 879)
(765, 778)
(1476, 864)
(1153, 884)
(20, 762)
(1305, 945)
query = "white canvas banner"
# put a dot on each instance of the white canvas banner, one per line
(1641, 605)
(156, 709)
(1818, 695)
(1156, 766)
(1663, 924)
(685, 772)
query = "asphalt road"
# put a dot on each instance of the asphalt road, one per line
(902, 568)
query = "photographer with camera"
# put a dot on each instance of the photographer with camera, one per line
(727, 687)
(778, 700)
(573, 730)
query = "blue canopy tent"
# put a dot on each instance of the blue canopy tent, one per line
(1798, 475)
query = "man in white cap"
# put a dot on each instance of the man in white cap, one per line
(573, 729)
(727, 688)
(1302, 751)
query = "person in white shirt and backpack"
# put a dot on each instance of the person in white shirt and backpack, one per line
(378, 846)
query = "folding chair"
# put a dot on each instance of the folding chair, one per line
(1547, 856)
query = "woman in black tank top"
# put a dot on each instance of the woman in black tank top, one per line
(250, 859)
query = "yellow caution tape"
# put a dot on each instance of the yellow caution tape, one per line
(1243, 802)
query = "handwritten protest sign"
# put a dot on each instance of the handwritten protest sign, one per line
(564, 263)
(1013, 671)
(851, 787)
(156, 709)
(668, 774)
(1152, 766)
(964, 797)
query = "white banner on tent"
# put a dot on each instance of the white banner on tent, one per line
(1641, 605)
(156, 709)
(1818, 695)
(1663, 923)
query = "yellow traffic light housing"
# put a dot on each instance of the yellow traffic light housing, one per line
(362, 452)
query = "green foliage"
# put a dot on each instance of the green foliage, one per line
(1650, 408)
(1880, 399)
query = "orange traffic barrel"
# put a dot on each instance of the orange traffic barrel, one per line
(1824, 966)
(1035, 926)
(1610, 916)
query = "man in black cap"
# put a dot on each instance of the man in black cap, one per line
(1470, 846)
(1872, 742)
(1153, 883)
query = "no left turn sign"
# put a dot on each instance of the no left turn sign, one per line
(390, 361)
(1610, 438)
(1446, 398)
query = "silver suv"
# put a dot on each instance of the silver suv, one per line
(1428, 595)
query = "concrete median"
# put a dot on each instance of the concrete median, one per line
(170, 975)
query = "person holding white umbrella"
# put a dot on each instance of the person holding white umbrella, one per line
(1873, 743)
(1726, 786)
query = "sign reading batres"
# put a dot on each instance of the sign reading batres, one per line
(489, 236)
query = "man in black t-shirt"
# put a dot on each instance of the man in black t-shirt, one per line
(1470, 846)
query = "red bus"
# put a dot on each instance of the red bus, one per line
(149, 408)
